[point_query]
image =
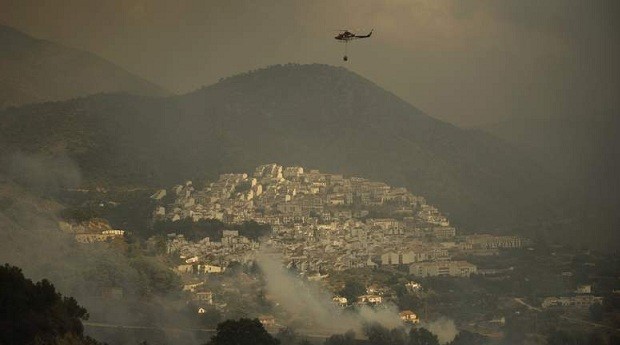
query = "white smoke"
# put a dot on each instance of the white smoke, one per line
(41, 174)
(32, 240)
(314, 304)
(443, 328)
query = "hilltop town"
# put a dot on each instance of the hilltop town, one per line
(365, 243)
(319, 224)
(322, 222)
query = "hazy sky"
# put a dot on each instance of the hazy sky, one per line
(464, 61)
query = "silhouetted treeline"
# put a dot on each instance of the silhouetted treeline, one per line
(251, 331)
(34, 313)
(241, 332)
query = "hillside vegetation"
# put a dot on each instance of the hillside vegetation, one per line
(317, 116)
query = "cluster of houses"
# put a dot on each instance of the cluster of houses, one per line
(376, 295)
(578, 301)
(443, 268)
(206, 256)
(91, 231)
(320, 223)
(323, 222)
(581, 298)
(277, 195)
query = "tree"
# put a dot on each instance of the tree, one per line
(409, 302)
(596, 312)
(515, 329)
(210, 318)
(341, 339)
(36, 313)
(252, 230)
(352, 289)
(566, 338)
(233, 268)
(155, 275)
(379, 335)
(422, 336)
(242, 332)
(597, 339)
(469, 338)
(287, 336)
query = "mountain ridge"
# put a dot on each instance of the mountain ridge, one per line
(312, 115)
(35, 70)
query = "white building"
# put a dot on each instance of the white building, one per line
(442, 268)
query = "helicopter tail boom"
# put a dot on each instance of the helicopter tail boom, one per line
(365, 36)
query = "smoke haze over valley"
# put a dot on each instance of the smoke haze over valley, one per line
(226, 172)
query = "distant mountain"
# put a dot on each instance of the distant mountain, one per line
(317, 116)
(582, 152)
(33, 70)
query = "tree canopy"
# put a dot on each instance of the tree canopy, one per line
(242, 332)
(422, 336)
(469, 338)
(352, 289)
(34, 313)
(341, 339)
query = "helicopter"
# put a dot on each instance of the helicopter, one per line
(345, 36)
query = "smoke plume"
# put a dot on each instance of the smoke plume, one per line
(33, 241)
(443, 328)
(314, 305)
